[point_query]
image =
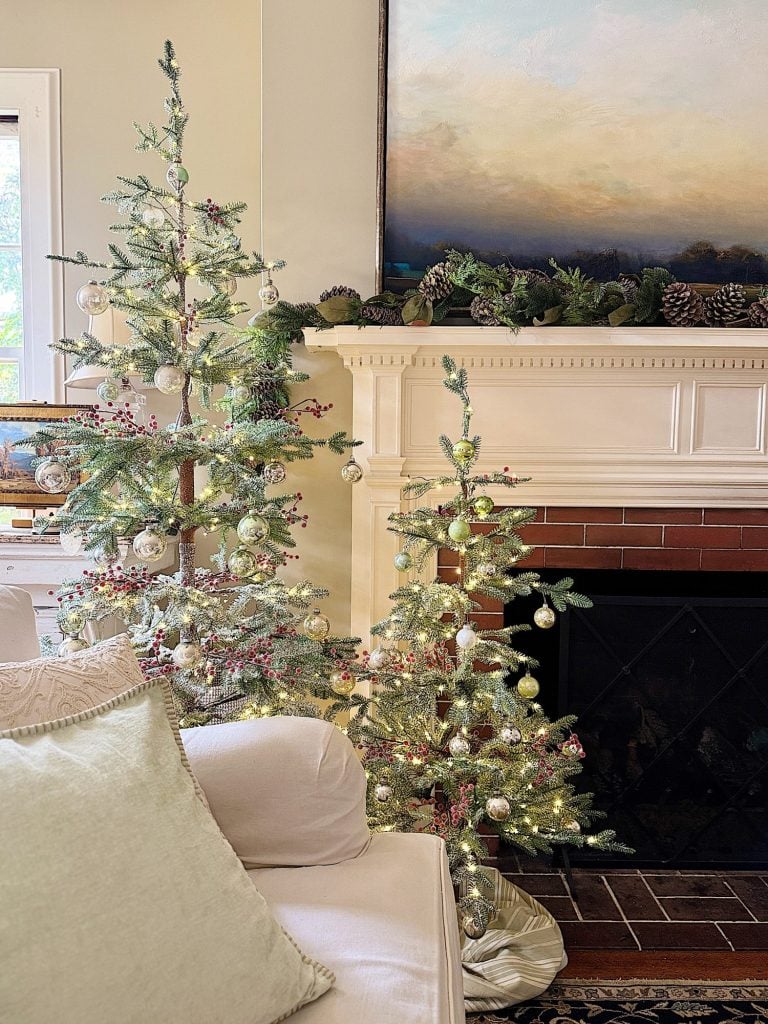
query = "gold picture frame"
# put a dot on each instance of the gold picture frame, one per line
(17, 475)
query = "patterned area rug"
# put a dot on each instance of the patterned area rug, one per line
(639, 1001)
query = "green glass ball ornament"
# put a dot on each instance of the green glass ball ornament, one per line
(463, 451)
(403, 561)
(108, 390)
(383, 792)
(316, 625)
(242, 563)
(342, 683)
(527, 686)
(268, 294)
(252, 529)
(544, 617)
(459, 530)
(483, 506)
(71, 621)
(92, 298)
(177, 176)
(52, 476)
(498, 808)
(71, 645)
(274, 472)
(471, 928)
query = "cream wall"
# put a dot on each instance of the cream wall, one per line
(319, 161)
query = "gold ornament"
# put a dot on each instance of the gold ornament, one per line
(463, 451)
(316, 625)
(498, 808)
(342, 683)
(544, 617)
(71, 645)
(71, 621)
(471, 928)
(527, 686)
(252, 529)
(242, 563)
(403, 561)
(459, 530)
(351, 473)
(483, 506)
(572, 826)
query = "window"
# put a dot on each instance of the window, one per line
(31, 308)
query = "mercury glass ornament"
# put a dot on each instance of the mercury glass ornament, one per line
(463, 451)
(342, 683)
(52, 476)
(483, 506)
(274, 472)
(458, 745)
(497, 808)
(153, 218)
(403, 561)
(382, 792)
(92, 298)
(252, 529)
(177, 176)
(351, 473)
(268, 293)
(242, 563)
(459, 530)
(471, 928)
(466, 638)
(71, 621)
(527, 686)
(169, 379)
(378, 659)
(105, 559)
(71, 645)
(108, 390)
(227, 283)
(544, 617)
(316, 625)
(72, 541)
(510, 734)
(487, 569)
(572, 826)
(187, 654)
(150, 545)
(240, 394)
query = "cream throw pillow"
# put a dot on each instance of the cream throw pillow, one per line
(120, 900)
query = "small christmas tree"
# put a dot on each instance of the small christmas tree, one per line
(233, 638)
(452, 748)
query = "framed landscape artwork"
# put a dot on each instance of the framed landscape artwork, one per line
(608, 134)
(17, 474)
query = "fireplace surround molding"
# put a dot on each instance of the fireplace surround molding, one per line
(596, 417)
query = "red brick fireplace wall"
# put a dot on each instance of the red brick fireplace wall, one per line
(679, 539)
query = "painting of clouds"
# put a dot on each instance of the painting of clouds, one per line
(611, 134)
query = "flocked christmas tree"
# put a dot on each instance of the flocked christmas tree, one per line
(234, 637)
(450, 746)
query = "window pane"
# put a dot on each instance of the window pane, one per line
(10, 191)
(11, 332)
(10, 384)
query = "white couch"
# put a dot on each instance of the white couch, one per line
(378, 910)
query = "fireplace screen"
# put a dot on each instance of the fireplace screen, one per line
(671, 690)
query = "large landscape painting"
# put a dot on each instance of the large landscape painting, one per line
(610, 134)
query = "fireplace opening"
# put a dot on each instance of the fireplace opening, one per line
(668, 675)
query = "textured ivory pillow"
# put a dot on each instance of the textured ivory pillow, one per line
(121, 899)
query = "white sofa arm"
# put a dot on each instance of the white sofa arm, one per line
(285, 791)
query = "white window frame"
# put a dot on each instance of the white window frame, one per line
(34, 94)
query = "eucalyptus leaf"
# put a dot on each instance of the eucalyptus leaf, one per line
(549, 316)
(621, 315)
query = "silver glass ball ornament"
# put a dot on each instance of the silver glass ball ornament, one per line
(274, 472)
(108, 390)
(466, 638)
(544, 617)
(105, 559)
(177, 176)
(316, 625)
(227, 283)
(342, 683)
(71, 645)
(498, 808)
(92, 298)
(378, 659)
(242, 563)
(153, 218)
(487, 570)
(510, 734)
(471, 928)
(187, 654)
(72, 541)
(403, 561)
(52, 476)
(169, 379)
(252, 529)
(382, 792)
(351, 473)
(268, 293)
(458, 745)
(150, 545)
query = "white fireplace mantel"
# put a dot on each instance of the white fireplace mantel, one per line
(595, 416)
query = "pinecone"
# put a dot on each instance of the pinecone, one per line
(682, 306)
(339, 289)
(387, 316)
(482, 310)
(531, 275)
(436, 284)
(629, 288)
(758, 312)
(725, 306)
(269, 409)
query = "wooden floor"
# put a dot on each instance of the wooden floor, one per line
(686, 965)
